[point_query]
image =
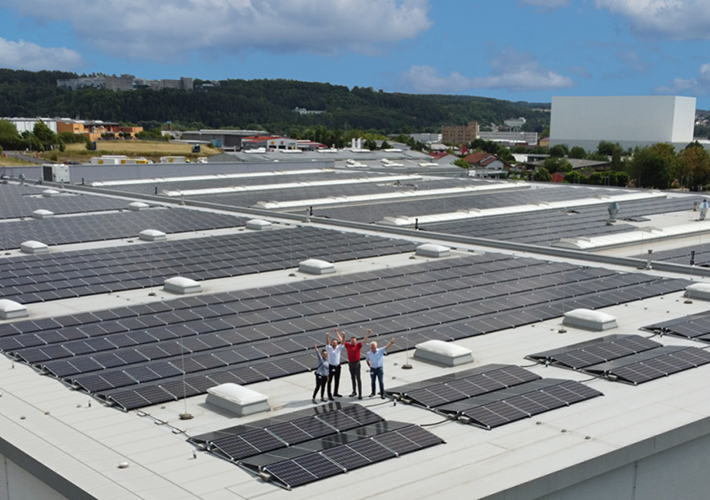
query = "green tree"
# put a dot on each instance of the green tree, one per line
(542, 175)
(559, 151)
(607, 148)
(577, 152)
(694, 166)
(654, 166)
(461, 163)
(44, 134)
(385, 145)
(575, 178)
(554, 164)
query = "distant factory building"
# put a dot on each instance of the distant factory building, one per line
(454, 134)
(629, 120)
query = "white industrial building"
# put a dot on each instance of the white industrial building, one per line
(629, 120)
(500, 297)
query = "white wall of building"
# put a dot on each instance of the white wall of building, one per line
(28, 124)
(628, 120)
(18, 484)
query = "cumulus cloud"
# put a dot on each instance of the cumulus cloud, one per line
(669, 19)
(700, 85)
(547, 4)
(165, 29)
(30, 56)
(511, 70)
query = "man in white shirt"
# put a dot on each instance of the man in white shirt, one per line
(376, 361)
(334, 348)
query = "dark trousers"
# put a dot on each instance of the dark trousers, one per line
(321, 381)
(377, 373)
(333, 374)
(355, 377)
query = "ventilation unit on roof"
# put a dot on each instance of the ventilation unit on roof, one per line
(42, 214)
(238, 400)
(586, 319)
(316, 266)
(48, 193)
(181, 285)
(137, 206)
(152, 235)
(699, 291)
(432, 250)
(443, 353)
(259, 224)
(9, 309)
(33, 247)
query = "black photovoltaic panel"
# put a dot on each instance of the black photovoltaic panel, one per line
(696, 327)
(107, 226)
(651, 365)
(523, 401)
(246, 336)
(136, 266)
(593, 352)
(281, 448)
(462, 385)
(20, 201)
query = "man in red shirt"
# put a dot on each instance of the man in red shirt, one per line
(354, 347)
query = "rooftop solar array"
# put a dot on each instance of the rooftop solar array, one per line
(385, 185)
(39, 278)
(526, 195)
(315, 443)
(20, 201)
(111, 225)
(552, 225)
(141, 355)
(276, 177)
(625, 358)
(695, 327)
(592, 352)
(493, 395)
(683, 255)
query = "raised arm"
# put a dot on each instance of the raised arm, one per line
(341, 336)
(327, 338)
(315, 346)
(367, 336)
(389, 344)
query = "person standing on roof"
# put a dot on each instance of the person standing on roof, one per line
(354, 347)
(321, 374)
(334, 348)
(375, 360)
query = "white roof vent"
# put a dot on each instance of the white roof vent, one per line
(259, 224)
(700, 291)
(42, 214)
(48, 193)
(432, 250)
(32, 246)
(137, 206)
(586, 319)
(9, 309)
(443, 353)
(316, 266)
(181, 285)
(152, 235)
(237, 399)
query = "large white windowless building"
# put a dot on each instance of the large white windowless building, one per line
(629, 120)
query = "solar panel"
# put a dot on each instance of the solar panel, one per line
(651, 365)
(592, 352)
(523, 401)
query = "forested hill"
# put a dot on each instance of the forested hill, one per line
(264, 104)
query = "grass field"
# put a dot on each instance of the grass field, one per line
(150, 150)
(14, 162)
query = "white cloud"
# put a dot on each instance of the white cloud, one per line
(700, 85)
(548, 4)
(511, 70)
(670, 19)
(163, 29)
(30, 56)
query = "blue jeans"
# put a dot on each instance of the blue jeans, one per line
(379, 374)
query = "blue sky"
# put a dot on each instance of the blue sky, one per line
(524, 50)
